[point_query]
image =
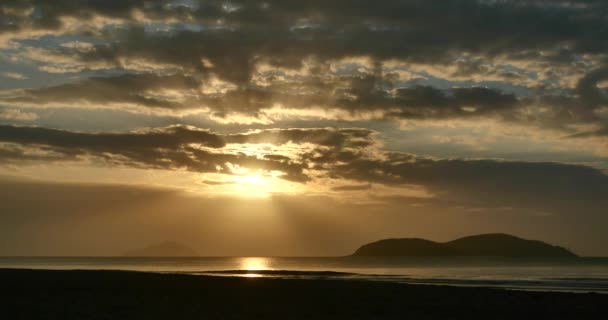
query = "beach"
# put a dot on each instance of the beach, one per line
(90, 294)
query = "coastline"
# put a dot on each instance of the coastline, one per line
(90, 294)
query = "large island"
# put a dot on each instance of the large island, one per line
(484, 245)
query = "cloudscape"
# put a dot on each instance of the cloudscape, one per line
(286, 127)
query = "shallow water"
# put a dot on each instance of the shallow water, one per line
(576, 275)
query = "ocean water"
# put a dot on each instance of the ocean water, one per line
(571, 275)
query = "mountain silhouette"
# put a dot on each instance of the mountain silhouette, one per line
(495, 244)
(165, 249)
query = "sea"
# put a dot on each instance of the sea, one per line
(568, 275)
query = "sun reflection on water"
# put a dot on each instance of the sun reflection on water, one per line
(252, 275)
(254, 264)
(251, 265)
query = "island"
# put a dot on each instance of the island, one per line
(484, 245)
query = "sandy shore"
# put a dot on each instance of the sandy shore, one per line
(41, 294)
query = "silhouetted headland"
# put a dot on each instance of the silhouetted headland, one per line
(484, 245)
(165, 249)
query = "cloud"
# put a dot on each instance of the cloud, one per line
(177, 147)
(145, 90)
(175, 93)
(311, 155)
(14, 75)
(216, 183)
(490, 183)
(532, 63)
(18, 115)
(535, 64)
(588, 90)
(283, 32)
(354, 187)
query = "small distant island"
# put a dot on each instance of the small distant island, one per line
(164, 249)
(485, 245)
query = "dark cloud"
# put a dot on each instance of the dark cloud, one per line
(17, 154)
(341, 154)
(171, 138)
(174, 147)
(175, 136)
(587, 88)
(283, 32)
(135, 89)
(541, 185)
(577, 106)
(428, 102)
(216, 183)
(351, 94)
(228, 40)
(354, 187)
(328, 137)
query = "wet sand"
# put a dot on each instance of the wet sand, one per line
(45, 294)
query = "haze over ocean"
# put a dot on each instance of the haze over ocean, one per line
(584, 275)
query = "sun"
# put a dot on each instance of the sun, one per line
(251, 179)
(247, 183)
(254, 185)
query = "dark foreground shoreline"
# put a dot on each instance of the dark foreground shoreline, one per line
(46, 294)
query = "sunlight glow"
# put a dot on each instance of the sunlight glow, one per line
(254, 185)
(251, 179)
(252, 275)
(254, 264)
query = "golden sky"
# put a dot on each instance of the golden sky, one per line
(232, 126)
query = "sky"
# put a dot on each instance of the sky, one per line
(289, 128)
